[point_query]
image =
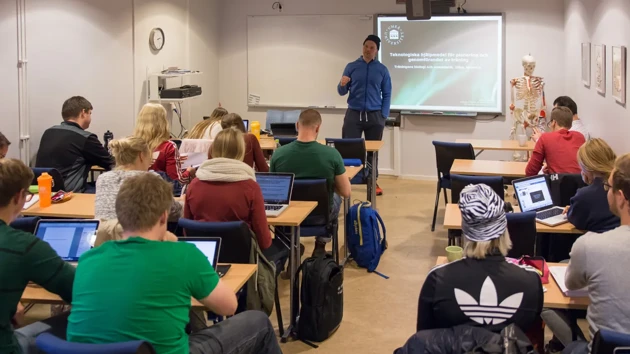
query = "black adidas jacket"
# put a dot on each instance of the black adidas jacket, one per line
(491, 293)
(72, 151)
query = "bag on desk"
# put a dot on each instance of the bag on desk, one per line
(363, 227)
(539, 264)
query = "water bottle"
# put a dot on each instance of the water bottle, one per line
(256, 129)
(44, 185)
(107, 137)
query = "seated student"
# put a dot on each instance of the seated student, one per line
(145, 285)
(589, 207)
(133, 158)
(70, 148)
(576, 126)
(599, 262)
(208, 128)
(152, 127)
(558, 148)
(4, 146)
(455, 293)
(23, 258)
(307, 158)
(253, 153)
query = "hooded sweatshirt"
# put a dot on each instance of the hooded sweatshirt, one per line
(370, 86)
(559, 149)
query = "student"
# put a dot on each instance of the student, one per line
(455, 293)
(152, 127)
(4, 146)
(253, 153)
(71, 149)
(577, 126)
(133, 158)
(589, 207)
(307, 158)
(208, 128)
(599, 262)
(145, 286)
(23, 258)
(558, 148)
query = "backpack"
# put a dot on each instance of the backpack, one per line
(364, 235)
(322, 298)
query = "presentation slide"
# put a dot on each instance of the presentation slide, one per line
(275, 189)
(533, 194)
(445, 64)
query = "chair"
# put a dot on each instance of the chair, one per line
(50, 344)
(285, 140)
(459, 182)
(317, 223)
(26, 224)
(606, 341)
(352, 149)
(563, 187)
(291, 116)
(57, 183)
(275, 116)
(177, 142)
(445, 154)
(522, 230)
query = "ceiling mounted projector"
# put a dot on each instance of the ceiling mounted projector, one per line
(418, 9)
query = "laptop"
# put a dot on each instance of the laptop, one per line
(210, 247)
(69, 238)
(283, 130)
(533, 195)
(246, 124)
(276, 189)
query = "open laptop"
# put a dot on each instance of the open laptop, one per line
(276, 189)
(533, 195)
(69, 238)
(283, 130)
(246, 124)
(210, 247)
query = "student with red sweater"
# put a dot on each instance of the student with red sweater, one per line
(559, 147)
(253, 152)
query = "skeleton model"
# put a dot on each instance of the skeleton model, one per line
(529, 93)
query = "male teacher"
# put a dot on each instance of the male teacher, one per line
(370, 88)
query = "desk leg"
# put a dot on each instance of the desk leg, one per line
(372, 188)
(294, 297)
(346, 210)
(479, 153)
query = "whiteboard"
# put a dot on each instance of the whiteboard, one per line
(297, 61)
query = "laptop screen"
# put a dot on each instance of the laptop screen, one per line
(246, 123)
(533, 193)
(208, 246)
(275, 187)
(70, 239)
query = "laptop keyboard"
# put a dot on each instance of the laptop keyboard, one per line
(273, 207)
(548, 213)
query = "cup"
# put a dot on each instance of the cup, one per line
(454, 253)
(522, 140)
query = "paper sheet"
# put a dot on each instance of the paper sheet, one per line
(558, 273)
(194, 159)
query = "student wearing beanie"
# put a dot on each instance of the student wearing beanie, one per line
(482, 289)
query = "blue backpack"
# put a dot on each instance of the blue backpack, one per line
(364, 236)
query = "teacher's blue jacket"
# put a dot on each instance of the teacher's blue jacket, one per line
(370, 86)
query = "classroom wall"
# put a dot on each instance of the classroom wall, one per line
(599, 22)
(534, 27)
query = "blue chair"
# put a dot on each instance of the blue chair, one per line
(606, 341)
(50, 344)
(445, 154)
(275, 116)
(26, 224)
(291, 116)
(285, 140)
(57, 184)
(522, 230)
(459, 182)
(352, 149)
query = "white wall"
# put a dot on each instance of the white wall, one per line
(535, 27)
(599, 22)
(8, 72)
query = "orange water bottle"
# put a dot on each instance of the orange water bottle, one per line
(44, 185)
(256, 129)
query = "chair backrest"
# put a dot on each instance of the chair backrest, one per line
(291, 116)
(314, 190)
(522, 230)
(273, 116)
(50, 344)
(26, 224)
(177, 142)
(285, 140)
(58, 183)
(563, 187)
(284, 129)
(349, 148)
(235, 237)
(606, 341)
(459, 182)
(446, 152)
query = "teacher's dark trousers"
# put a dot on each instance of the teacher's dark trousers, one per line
(370, 123)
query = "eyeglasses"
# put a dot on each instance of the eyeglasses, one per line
(607, 186)
(549, 123)
(28, 195)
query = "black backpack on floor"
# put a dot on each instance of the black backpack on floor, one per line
(322, 298)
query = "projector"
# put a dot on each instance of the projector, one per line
(423, 9)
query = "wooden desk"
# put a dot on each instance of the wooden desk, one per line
(81, 206)
(293, 215)
(235, 278)
(267, 143)
(489, 168)
(507, 145)
(352, 171)
(453, 221)
(554, 298)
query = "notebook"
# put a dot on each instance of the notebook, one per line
(69, 238)
(276, 189)
(558, 273)
(210, 247)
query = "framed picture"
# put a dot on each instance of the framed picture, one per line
(600, 68)
(619, 74)
(586, 64)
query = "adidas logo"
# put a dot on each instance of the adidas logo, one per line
(488, 310)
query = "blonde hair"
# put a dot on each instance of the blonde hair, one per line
(597, 156)
(152, 126)
(229, 144)
(197, 131)
(126, 150)
(479, 250)
(233, 120)
(142, 200)
(15, 176)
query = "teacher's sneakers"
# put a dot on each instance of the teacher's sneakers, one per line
(379, 191)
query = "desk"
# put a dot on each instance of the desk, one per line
(489, 168)
(554, 298)
(94, 169)
(81, 206)
(267, 143)
(453, 221)
(235, 278)
(504, 145)
(351, 171)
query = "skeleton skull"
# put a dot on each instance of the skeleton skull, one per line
(529, 64)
